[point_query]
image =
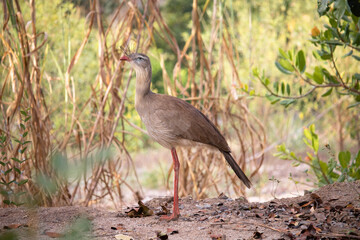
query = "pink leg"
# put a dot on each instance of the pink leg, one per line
(176, 212)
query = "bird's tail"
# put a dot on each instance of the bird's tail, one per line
(236, 168)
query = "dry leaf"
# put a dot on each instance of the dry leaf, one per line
(54, 234)
(161, 235)
(123, 237)
(164, 211)
(171, 231)
(315, 32)
(146, 211)
(142, 211)
(306, 203)
(14, 226)
(217, 237)
(120, 226)
(257, 235)
(133, 213)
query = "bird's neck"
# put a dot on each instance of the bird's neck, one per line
(143, 82)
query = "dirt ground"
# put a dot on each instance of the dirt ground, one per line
(332, 212)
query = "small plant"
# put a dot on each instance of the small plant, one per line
(275, 186)
(345, 168)
(11, 175)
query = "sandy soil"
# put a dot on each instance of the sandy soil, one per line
(332, 212)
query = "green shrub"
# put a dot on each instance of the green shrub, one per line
(344, 167)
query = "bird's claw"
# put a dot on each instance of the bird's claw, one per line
(171, 217)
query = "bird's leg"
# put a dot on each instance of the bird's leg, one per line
(176, 212)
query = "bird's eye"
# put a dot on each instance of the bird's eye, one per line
(139, 58)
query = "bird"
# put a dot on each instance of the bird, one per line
(173, 122)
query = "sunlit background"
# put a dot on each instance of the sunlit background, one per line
(67, 103)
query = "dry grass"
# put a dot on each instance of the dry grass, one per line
(210, 86)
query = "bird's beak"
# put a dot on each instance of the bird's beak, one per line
(125, 58)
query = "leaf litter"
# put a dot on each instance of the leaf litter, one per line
(332, 212)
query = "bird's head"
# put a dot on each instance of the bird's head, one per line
(138, 61)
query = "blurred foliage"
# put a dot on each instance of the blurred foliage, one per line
(334, 169)
(68, 23)
(334, 75)
(13, 179)
(80, 228)
(342, 31)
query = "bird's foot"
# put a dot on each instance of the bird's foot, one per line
(172, 217)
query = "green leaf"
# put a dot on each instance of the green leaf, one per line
(25, 134)
(327, 93)
(323, 7)
(357, 160)
(266, 81)
(27, 119)
(7, 171)
(283, 54)
(331, 165)
(348, 54)
(283, 88)
(300, 61)
(22, 182)
(286, 64)
(323, 166)
(346, 33)
(273, 99)
(356, 57)
(290, 54)
(22, 126)
(256, 72)
(328, 76)
(334, 42)
(318, 75)
(23, 150)
(344, 159)
(315, 142)
(281, 148)
(246, 87)
(276, 86)
(356, 76)
(339, 8)
(23, 113)
(312, 137)
(288, 90)
(281, 68)
(16, 159)
(17, 170)
(324, 55)
(287, 102)
(300, 90)
(356, 40)
(292, 154)
(295, 164)
(312, 128)
(307, 133)
(353, 105)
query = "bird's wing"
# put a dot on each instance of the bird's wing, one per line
(184, 121)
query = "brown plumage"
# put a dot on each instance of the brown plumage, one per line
(173, 122)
